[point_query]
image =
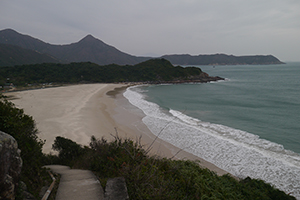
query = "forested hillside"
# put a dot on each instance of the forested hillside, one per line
(151, 71)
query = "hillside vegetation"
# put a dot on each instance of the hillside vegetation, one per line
(151, 71)
(22, 127)
(152, 177)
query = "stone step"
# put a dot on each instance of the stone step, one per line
(116, 189)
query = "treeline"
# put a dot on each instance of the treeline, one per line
(154, 70)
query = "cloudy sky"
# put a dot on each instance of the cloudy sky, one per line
(158, 27)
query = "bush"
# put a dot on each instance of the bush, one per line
(68, 150)
(152, 177)
(13, 121)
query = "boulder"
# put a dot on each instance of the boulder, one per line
(10, 166)
(116, 189)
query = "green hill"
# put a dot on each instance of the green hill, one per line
(151, 71)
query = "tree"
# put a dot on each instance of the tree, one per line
(67, 149)
(13, 121)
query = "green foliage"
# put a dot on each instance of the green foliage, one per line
(68, 150)
(151, 177)
(154, 70)
(13, 121)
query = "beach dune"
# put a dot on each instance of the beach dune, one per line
(79, 111)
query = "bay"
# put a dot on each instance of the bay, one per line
(260, 99)
(247, 125)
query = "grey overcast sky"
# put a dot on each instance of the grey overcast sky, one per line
(158, 27)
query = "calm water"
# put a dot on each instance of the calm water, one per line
(248, 125)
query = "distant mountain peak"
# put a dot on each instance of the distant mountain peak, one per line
(89, 38)
(90, 35)
(9, 30)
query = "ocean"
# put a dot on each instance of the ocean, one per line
(248, 125)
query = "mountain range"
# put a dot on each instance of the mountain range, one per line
(18, 49)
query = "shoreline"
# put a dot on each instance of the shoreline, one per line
(160, 147)
(79, 111)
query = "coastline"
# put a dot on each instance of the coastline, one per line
(130, 116)
(79, 111)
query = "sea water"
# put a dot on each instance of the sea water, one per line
(248, 125)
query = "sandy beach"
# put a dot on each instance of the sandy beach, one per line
(79, 111)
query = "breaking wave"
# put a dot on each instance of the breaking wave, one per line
(237, 152)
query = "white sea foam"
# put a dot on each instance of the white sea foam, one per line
(218, 81)
(238, 152)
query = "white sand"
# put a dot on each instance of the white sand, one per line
(66, 112)
(77, 112)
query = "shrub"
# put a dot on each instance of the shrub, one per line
(68, 150)
(22, 127)
(152, 177)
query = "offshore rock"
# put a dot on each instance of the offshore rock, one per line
(10, 166)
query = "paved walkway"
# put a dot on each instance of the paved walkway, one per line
(77, 184)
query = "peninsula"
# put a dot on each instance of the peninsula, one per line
(154, 71)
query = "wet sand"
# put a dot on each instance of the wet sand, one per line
(79, 111)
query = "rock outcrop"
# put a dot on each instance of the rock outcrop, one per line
(10, 166)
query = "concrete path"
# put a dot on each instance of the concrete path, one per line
(77, 184)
